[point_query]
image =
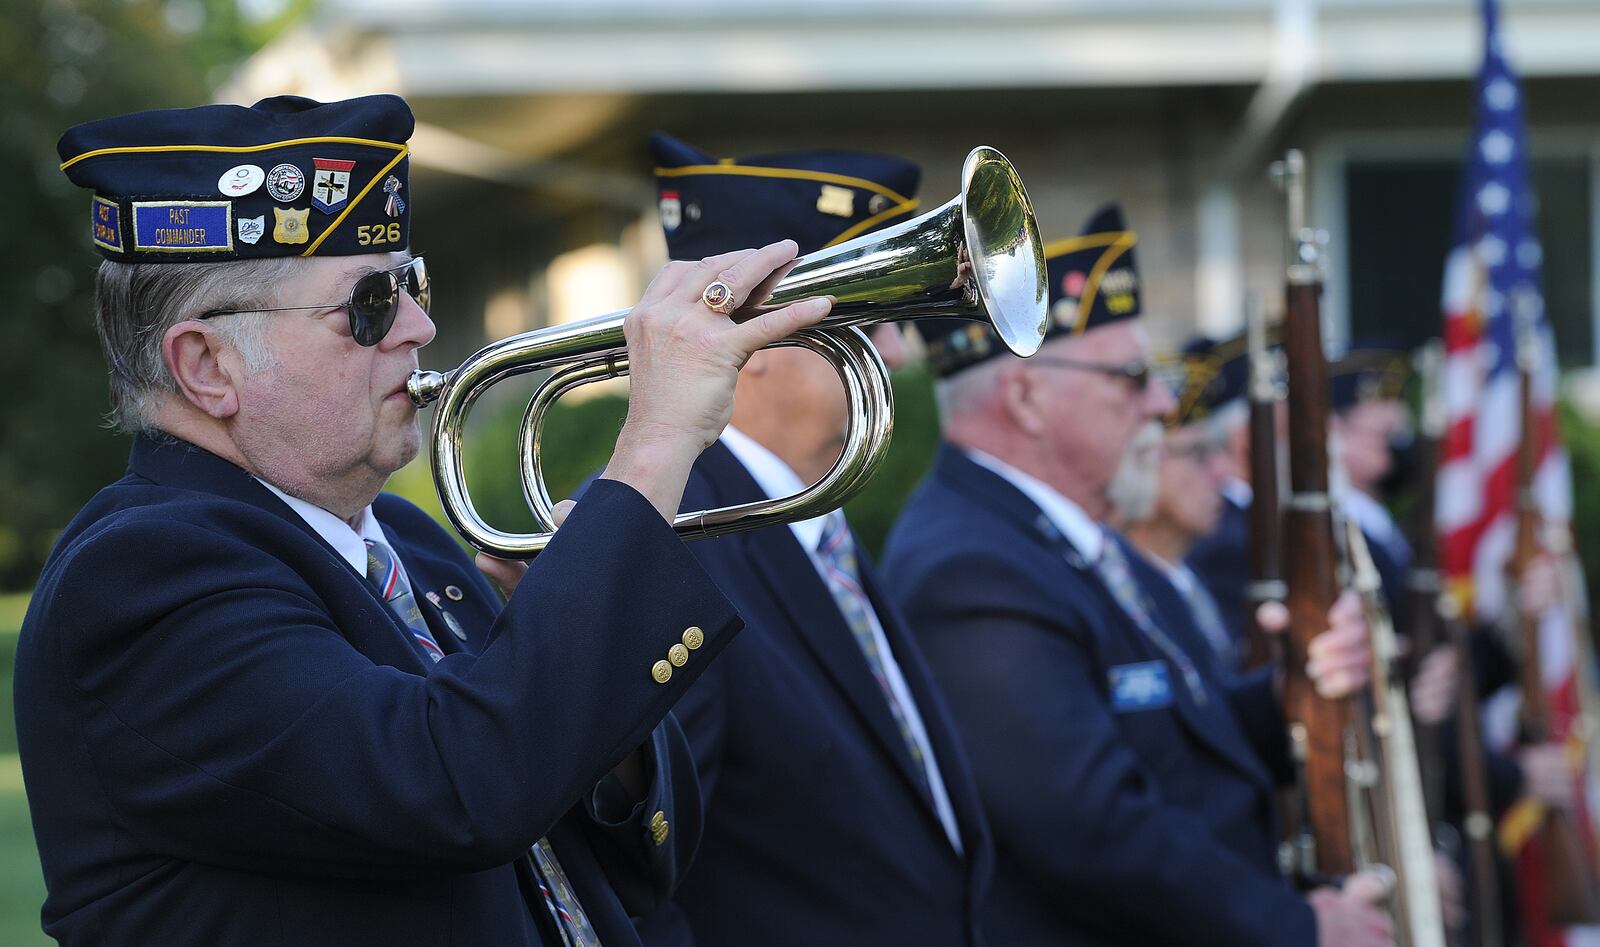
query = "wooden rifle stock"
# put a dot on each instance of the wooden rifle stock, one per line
(1572, 894)
(1318, 728)
(1266, 508)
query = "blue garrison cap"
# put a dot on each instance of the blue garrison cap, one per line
(1094, 281)
(1212, 374)
(1375, 370)
(815, 198)
(287, 176)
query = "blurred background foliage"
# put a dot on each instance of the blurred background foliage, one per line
(69, 61)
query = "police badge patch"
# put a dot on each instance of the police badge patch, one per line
(289, 225)
(330, 183)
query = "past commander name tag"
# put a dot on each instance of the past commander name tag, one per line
(183, 226)
(1143, 686)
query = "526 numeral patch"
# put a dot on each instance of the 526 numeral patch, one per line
(371, 235)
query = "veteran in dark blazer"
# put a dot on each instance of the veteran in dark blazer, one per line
(258, 702)
(1128, 787)
(839, 806)
(1221, 558)
(1188, 502)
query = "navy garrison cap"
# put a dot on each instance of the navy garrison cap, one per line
(1214, 373)
(815, 198)
(1093, 282)
(288, 176)
(1369, 371)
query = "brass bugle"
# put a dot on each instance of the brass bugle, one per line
(979, 256)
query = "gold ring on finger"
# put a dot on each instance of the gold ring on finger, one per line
(718, 297)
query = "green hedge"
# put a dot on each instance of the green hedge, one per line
(579, 436)
(1583, 443)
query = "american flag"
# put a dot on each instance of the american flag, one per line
(1491, 290)
(1492, 301)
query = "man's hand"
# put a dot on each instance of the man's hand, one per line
(1339, 661)
(684, 360)
(1452, 892)
(1433, 690)
(506, 573)
(1351, 917)
(1547, 774)
(1540, 586)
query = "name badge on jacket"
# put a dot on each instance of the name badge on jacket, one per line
(1142, 686)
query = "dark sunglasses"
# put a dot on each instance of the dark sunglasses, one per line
(374, 300)
(1136, 373)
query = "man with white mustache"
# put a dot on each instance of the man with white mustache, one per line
(1128, 785)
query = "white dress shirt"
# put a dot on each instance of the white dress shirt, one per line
(349, 542)
(1238, 492)
(776, 479)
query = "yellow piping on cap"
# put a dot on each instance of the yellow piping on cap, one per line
(229, 149)
(855, 230)
(1116, 243)
(796, 174)
(404, 150)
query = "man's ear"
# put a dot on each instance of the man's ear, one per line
(193, 354)
(1021, 397)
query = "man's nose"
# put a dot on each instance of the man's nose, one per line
(412, 325)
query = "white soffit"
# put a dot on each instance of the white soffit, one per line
(520, 47)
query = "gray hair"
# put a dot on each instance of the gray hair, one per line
(136, 303)
(968, 389)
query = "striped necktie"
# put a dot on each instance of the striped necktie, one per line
(837, 551)
(384, 571)
(554, 888)
(1119, 580)
(560, 900)
(1207, 617)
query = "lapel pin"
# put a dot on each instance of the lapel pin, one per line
(453, 593)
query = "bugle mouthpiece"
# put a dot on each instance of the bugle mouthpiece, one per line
(425, 387)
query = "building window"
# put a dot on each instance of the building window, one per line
(1401, 218)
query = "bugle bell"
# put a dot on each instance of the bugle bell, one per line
(978, 256)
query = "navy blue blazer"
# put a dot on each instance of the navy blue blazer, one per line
(227, 736)
(816, 830)
(1121, 814)
(1222, 561)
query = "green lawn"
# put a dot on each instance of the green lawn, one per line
(21, 885)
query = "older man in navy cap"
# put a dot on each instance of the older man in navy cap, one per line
(842, 812)
(258, 701)
(1189, 501)
(1371, 430)
(1129, 788)
(1220, 558)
